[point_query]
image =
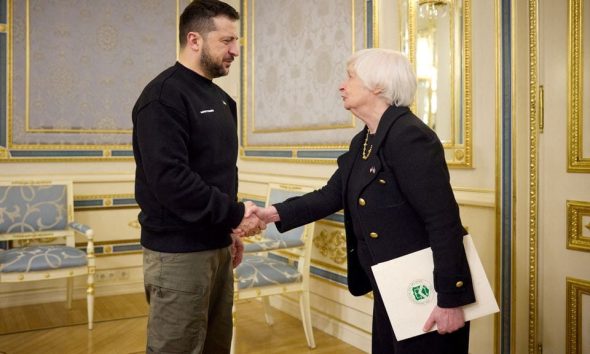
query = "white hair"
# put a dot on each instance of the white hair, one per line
(388, 71)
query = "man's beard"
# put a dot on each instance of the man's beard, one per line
(211, 68)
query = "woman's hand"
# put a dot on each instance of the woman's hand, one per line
(447, 320)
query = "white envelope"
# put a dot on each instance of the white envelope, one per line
(407, 288)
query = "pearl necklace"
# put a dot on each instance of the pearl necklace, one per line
(365, 152)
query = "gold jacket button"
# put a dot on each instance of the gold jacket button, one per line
(459, 284)
(382, 181)
(374, 235)
(362, 202)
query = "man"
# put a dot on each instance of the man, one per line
(185, 146)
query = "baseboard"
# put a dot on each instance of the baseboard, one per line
(333, 327)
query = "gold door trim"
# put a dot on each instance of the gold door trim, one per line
(533, 176)
(575, 137)
(576, 288)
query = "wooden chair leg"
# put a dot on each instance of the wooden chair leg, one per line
(90, 300)
(304, 306)
(267, 310)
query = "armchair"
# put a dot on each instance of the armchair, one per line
(37, 228)
(276, 263)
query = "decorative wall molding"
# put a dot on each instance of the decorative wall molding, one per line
(578, 225)
(57, 109)
(576, 288)
(577, 162)
(84, 202)
(295, 114)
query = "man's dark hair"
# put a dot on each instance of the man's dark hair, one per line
(198, 17)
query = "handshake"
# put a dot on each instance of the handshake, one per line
(255, 219)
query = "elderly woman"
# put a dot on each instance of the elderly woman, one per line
(393, 184)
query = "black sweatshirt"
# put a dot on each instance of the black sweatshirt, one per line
(185, 145)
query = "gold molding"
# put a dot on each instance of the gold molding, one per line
(533, 177)
(576, 288)
(105, 196)
(331, 244)
(107, 202)
(459, 155)
(576, 210)
(134, 224)
(575, 137)
(375, 32)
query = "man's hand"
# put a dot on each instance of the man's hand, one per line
(251, 224)
(237, 251)
(447, 320)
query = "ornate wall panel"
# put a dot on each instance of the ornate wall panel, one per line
(436, 37)
(578, 225)
(75, 70)
(579, 99)
(113, 218)
(578, 294)
(292, 64)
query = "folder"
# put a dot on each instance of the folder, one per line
(407, 288)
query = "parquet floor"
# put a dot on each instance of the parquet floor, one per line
(119, 335)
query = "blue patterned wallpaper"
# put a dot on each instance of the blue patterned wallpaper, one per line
(3, 8)
(292, 65)
(87, 63)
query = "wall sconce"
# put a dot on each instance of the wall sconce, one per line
(433, 8)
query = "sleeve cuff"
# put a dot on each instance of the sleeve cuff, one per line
(454, 290)
(236, 214)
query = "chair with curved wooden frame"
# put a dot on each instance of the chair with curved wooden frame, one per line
(278, 263)
(38, 230)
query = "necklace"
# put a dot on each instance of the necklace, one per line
(365, 152)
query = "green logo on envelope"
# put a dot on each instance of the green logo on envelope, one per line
(420, 291)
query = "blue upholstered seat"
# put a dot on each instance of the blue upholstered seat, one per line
(257, 271)
(274, 240)
(38, 258)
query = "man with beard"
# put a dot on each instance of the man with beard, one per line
(185, 145)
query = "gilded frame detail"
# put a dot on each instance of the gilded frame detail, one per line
(577, 162)
(576, 211)
(458, 155)
(331, 244)
(57, 149)
(533, 323)
(271, 147)
(576, 288)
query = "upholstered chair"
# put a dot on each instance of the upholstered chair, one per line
(277, 263)
(37, 232)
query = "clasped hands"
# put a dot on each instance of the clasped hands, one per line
(255, 220)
